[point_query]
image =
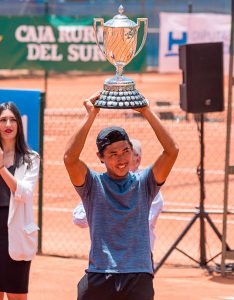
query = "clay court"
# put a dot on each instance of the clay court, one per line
(55, 277)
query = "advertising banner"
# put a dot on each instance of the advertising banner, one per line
(183, 28)
(55, 43)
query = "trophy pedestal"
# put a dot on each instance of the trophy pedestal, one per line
(119, 92)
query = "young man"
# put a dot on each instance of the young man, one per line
(117, 205)
(79, 215)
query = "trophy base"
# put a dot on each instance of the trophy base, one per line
(120, 94)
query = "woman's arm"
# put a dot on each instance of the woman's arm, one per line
(25, 186)
(8, 178)
(6, 175)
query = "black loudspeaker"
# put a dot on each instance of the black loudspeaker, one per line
(202, 88)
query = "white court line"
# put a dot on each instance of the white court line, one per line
(170, 217)
(191, 170)
(54, 195)
(194, 205)
(172, 203)
(57, 209)
(188, 219)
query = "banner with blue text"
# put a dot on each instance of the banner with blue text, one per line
(183, 28)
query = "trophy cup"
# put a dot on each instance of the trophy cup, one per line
(119, 43)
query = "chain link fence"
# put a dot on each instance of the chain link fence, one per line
(181, 191)
(64, 95)
(63, 113)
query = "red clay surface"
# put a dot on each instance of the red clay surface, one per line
(56, 278)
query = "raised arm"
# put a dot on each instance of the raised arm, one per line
(166, 160)
(6, 175)
(21, 187)
(76, 168)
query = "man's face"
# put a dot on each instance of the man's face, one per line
(117, 158)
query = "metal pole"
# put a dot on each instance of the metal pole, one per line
(228, 141)
(190, 7)
(46, 74)
(40, 187)
(202, 195)
(190, 10)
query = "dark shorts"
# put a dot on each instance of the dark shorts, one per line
(112, 286)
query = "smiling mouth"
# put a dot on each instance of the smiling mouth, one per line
(122, 166)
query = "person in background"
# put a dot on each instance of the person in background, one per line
(19, 168)
(79, 216)
(117, 204)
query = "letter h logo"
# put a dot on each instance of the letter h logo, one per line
(175, 42)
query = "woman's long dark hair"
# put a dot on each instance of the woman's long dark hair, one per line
(22, 151)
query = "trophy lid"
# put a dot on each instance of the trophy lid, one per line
(120, 20)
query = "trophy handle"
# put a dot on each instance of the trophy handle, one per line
(145, 20)
(95, 20)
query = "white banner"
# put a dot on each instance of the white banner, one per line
(184, 28)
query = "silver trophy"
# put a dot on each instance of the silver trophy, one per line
(119, 44)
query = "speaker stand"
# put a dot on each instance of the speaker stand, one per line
(201, 214)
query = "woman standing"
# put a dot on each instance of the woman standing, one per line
(19, 167)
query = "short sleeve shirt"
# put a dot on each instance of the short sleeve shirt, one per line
(117, 212)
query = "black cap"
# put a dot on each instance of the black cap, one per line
(110, 135)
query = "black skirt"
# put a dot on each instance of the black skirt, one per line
(14, 275)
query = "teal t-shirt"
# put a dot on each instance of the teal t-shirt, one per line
(117, 212)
